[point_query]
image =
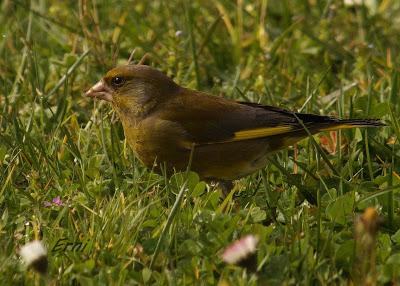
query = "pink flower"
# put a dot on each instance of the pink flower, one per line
(46, 204)
(54, 202)
(57, 201)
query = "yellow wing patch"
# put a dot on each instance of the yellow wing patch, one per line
(243, 135)
(342, 126)
(260, 132)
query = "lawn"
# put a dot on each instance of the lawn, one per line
(325, 211)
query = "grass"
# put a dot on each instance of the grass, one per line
(142, 228)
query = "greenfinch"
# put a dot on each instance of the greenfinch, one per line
(170, 127)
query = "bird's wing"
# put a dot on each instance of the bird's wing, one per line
(211, 120)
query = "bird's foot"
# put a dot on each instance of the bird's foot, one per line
(226, 187)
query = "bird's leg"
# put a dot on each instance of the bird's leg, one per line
(226, 186)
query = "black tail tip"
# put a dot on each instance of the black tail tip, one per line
(364, 122)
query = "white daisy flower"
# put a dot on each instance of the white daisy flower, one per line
(34, 254)
(240, 249)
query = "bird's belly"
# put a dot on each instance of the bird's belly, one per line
(223, 161)
(230, 161)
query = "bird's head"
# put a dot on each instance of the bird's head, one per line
(134, 90)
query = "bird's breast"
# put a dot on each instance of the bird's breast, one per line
(155, 141)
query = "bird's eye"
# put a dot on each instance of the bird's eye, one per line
(117, 81)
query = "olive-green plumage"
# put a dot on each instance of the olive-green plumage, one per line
(164, 123)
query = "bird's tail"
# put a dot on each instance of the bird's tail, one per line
(318, 123)
(336, 124)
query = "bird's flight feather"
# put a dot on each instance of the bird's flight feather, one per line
(230, 121)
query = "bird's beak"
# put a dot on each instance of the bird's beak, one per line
(100, 90)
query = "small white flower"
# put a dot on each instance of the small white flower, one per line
(178, 33)
(34, 254)
(352, 2)
(240, 249)
(372, 5)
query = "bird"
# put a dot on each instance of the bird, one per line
(171, 128)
